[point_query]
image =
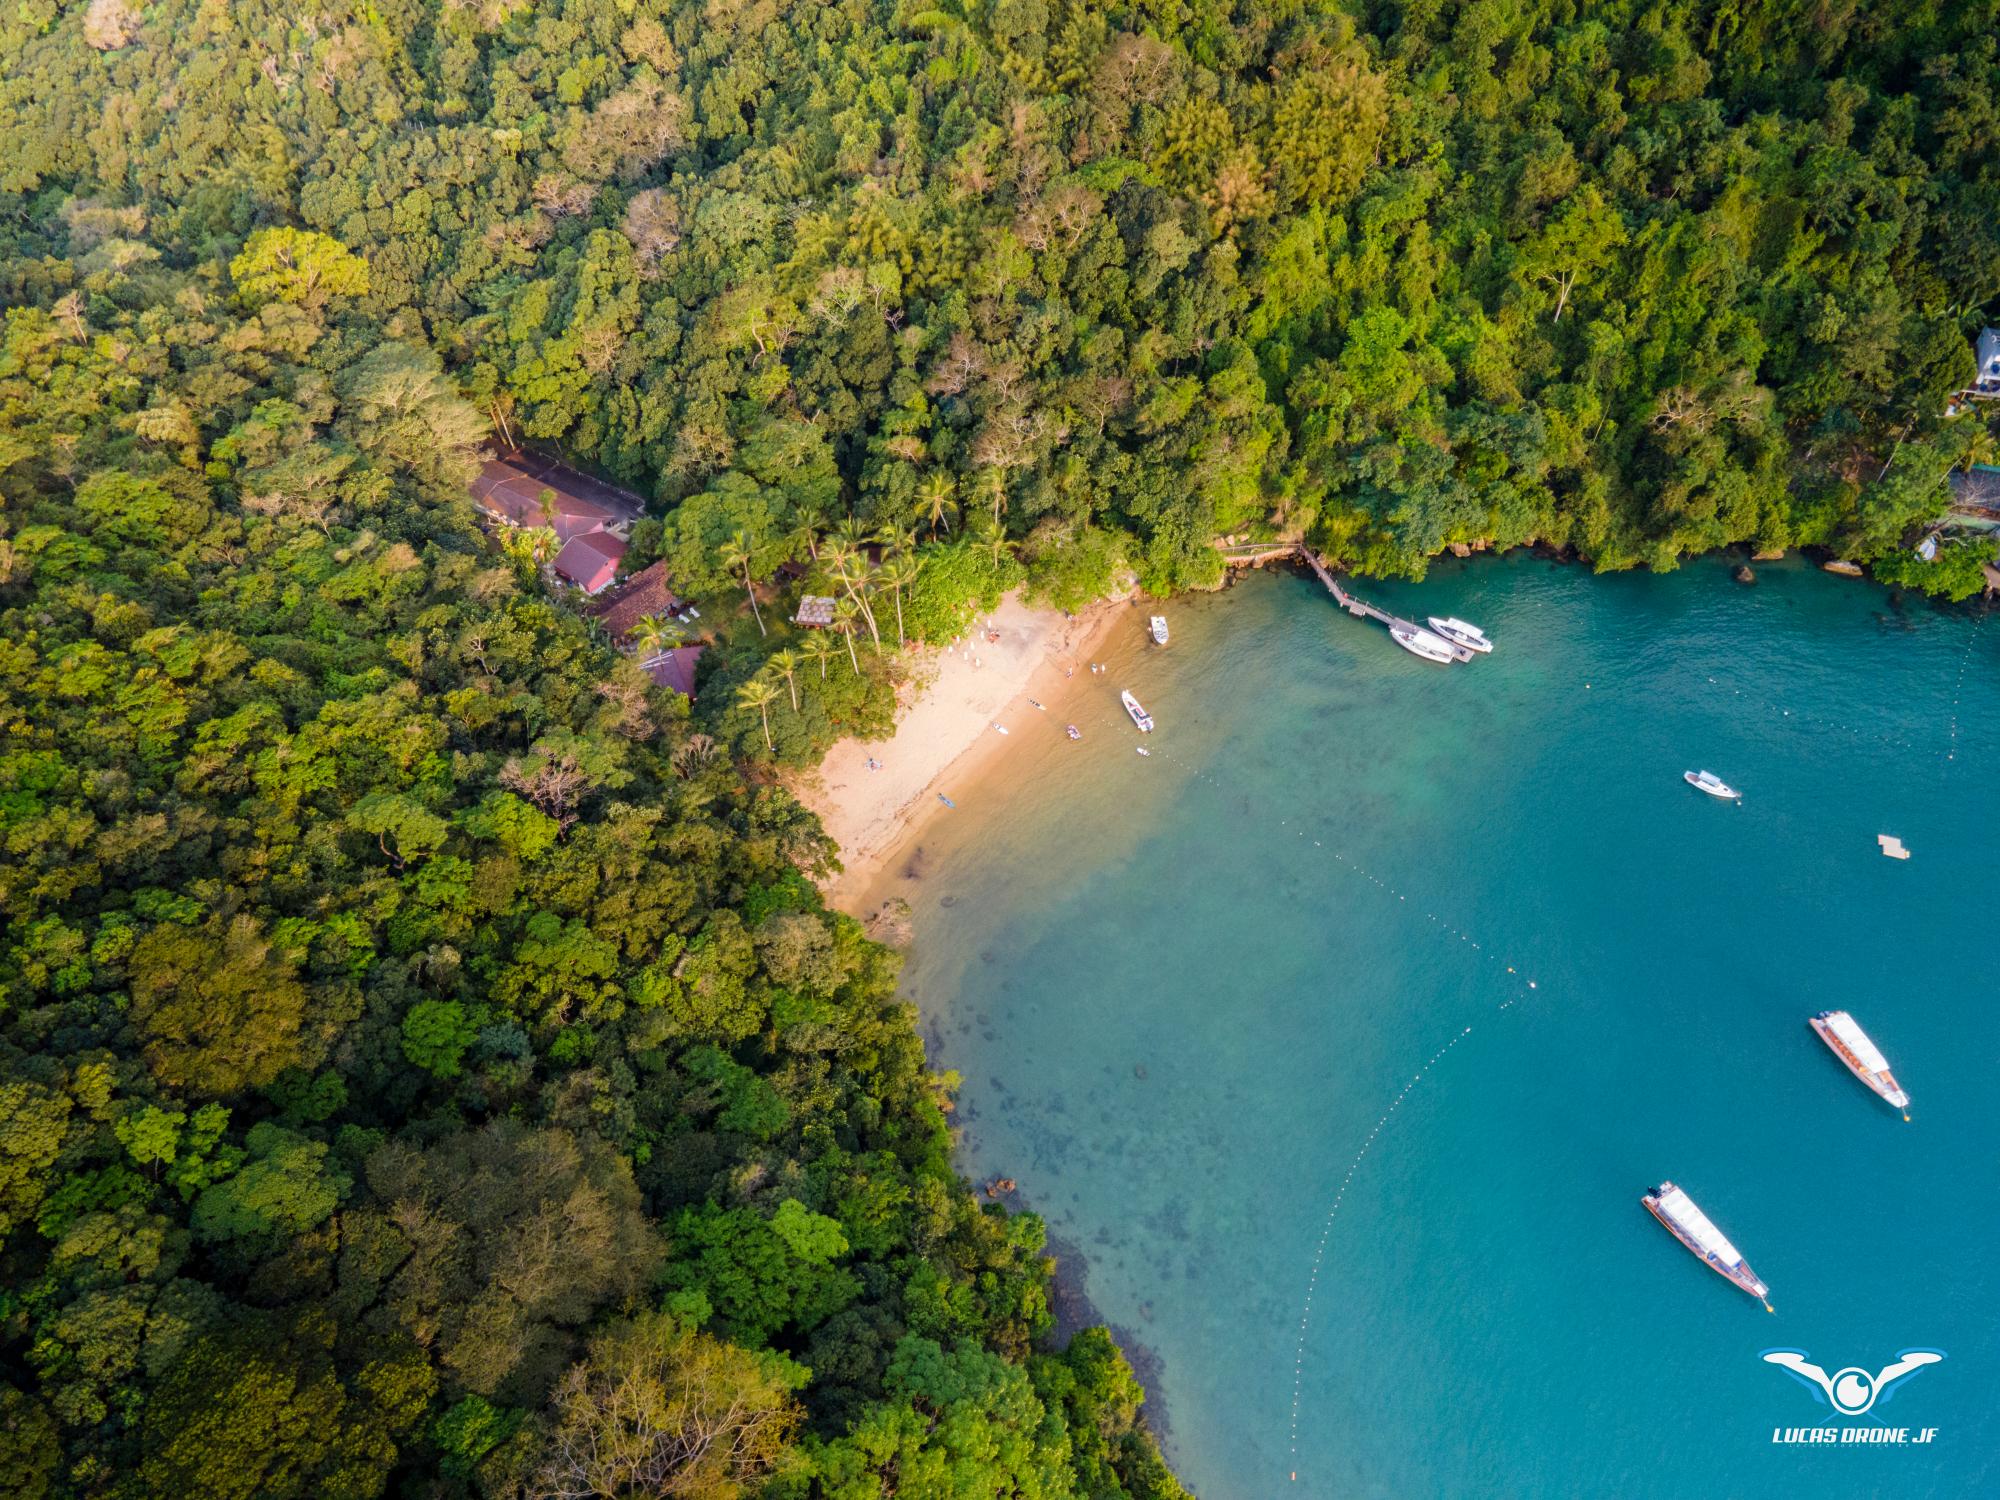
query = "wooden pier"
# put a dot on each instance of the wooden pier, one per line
(1363, 610)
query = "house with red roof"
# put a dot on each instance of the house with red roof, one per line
(644, 593)
(674, 669)
(519, 488)
(590, 561)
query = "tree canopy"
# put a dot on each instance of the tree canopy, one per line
(426, 1065)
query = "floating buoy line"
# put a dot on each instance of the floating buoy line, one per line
(1806, 719)
(1958, 687)
(1518, 987)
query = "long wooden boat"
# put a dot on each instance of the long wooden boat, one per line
(1694, 1229)
(1864, 1059)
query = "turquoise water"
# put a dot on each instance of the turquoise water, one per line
(1185, 991)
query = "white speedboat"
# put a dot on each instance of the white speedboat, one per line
(1159, 630)
(1420, 642)
(1714, 785)
(1139, 715)
(1464, 632)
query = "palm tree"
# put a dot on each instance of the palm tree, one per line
(656, 633)
(757, 693)
(1980, 447)
(736, 554)
(819, 649)
(896, 577)
(844, 564)
(844, 611)
(996, 546)
(802, 538)
(894, 540)
(812, 521)
(852, 532)
(788, 663)
(936, 493)
(994, 481)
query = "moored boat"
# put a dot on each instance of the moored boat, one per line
(1864, 1059)
(1714, 785)
(1159, 630)
(1464, 632)
(1694, 1229)
(1072, 731)
(1420, 642)
(1139, 715)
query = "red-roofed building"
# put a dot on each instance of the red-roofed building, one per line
(644, 593)
(590, 561)
(675, 669)
(511, 486)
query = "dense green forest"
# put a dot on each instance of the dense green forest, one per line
(1637, 279)
(426, 1067)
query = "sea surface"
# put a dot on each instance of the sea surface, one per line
(1251, 1023)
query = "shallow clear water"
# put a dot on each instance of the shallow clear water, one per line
(1185, 991)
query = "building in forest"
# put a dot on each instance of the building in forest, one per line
(645, 593)
(815, 611)
(674, 669)
(590, 561)
(519, 488)
(1986, 349)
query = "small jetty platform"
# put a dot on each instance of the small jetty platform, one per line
(1362, 609)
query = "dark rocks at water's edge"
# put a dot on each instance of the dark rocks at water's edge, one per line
(891, 923)
(918, 865)
(1746, 574)
(1075, 1312)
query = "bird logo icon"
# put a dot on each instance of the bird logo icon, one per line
(1851, 1391)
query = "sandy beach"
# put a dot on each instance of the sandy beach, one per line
(944, 733)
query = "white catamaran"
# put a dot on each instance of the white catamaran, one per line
(1139, 715)
(1464, 632)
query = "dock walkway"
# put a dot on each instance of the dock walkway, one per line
(1362, 609)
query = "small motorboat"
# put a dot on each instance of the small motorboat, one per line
(1072, 731)
(946, 800)
(1159, 630)
(1420, 642)
(1036, 702)
(1143, 750)
(999, 728)
(1139, 715)
(1714, 785)
(1464, 632)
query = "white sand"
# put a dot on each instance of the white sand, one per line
(945, 734)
